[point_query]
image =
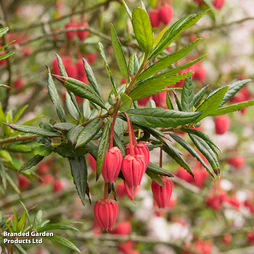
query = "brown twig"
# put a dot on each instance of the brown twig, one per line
(18, 138)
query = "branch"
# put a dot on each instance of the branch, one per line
(246, 250)
(18, 138)
(220, 26)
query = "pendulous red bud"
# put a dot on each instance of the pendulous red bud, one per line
(70, 25)
(155, 18)
(218, 4)
(222, 124)
(166, 13)
(82, 34)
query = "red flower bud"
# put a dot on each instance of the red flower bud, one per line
(80, 67)
(91, 57)
(237, 161)
(222, 124)
(123, 228)
(143, 101)
(126, 247)
(43, 168)
(218, 4)
(166, 13)
(160, 99)
(227, 238)
(155, 18)
(83, 34)
(58, 186)
(47, 179)
(105, 211)
(214, 202)
(71, 70)
(250, 237)
(133, 169)
(92, 162)
(131, 191)
(112, 164)
(24, 182)
(70, 25)
(161, 194)
(199, 2)
(123, 81)
(199, 73)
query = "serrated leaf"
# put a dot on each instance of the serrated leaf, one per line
(143, 29)
(167, 60)
(71, 107)
(3, 31)
(61, 226)
(37, 220)
(199, 96)
(43, 150)
(102, 149)
(79, 174)
(155, 177)
(86, 109)
(174, 31)
(232, 108)
(118, 51)
(108, 69)
(201, 135)
(22, 222)
(88, 132)
(187, 95)
(126, 102)
(3, 175)
(169, 102)
(206, 150)
(127, 9)
(160, 117)
(211, 103)
(233, 89)
(191, 150)
(62, 241)
(68, 150)
(54, 96)
(91, 78)
(80, 89)
(32, 129)
(34, 161)
(73, 133)
(15, 221)
(133, 65)
(174, 154)
(64, 126)
(19, 113)
(146, 87)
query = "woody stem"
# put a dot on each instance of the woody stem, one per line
(113, 125)
(133, 136)
(130, 135)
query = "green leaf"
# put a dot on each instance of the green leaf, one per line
(79, 174)
(6, 155)
(68, 150)
(54, 96)
(5, 129)
(32, 129)
(7, 55)
(168, 60)
(89, 131)
(206, 150)
(155, 177)
(146, 87)
(13, 185)
(117, 142)
(64, 126)
(43, 150)
(169, 102)
(61, 226)
(3, 31)
(91, 78)
(19, 113)
(143, 6)
(202, 136)
(178, 103)
(143, 29)
(15, 221)
(102, 149)
(80, 89)
(37, 220)
(174, 31)
(3, 175)
(62, 241)
(27, 214)
(211, 103)
(233, 89)
(6, 45)
(187, 95)
(86, 109)
(232, 108)
(133, 64)
(157, 170)
(126, 102)
(127, 9)
(22, 222)
(73, 133)
(71, 107)
(20, 249)
(159, 117)
(34, 161)
(191, 150)
(32, 120)
(199, 96)
(118, 51)
(108, 69)
(153, 3)
(5, 86)
(174, 154)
